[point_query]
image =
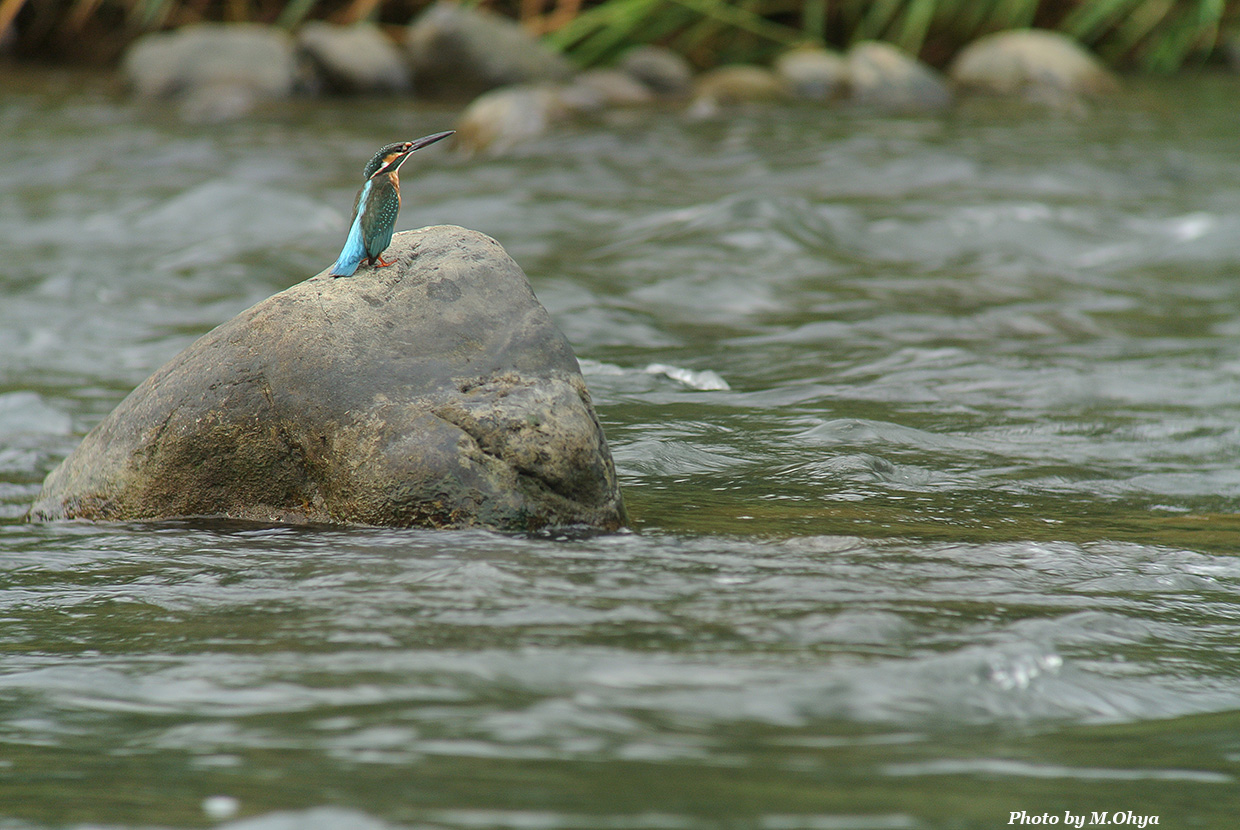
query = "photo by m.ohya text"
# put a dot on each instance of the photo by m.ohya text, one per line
(1100, 818)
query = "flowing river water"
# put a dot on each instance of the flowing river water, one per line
(929, 428)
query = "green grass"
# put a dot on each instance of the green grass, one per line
(1145, 35)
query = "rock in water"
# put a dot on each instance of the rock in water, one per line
(353, 60)
(665, 72)
(433, 393)
(1033, 62)
(882, 77)
(728, 86)
(218, 71)
(814, 74)
(459, 51)
(504, 118)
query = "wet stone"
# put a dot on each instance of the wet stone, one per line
(728, 86)
(460, 52)
(613, 88)
(813, 74)
(257, 58)
(352, 59)
(883, 77)
(497, 121)
(1033, 63)
(663, 71)
(433, 393)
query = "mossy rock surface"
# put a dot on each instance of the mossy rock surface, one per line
(435, 392)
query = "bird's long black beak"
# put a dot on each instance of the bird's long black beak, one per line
(416, 144)
(419, 143)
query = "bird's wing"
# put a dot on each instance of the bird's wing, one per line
(354, 248)
(380, 220)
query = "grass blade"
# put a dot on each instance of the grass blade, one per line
(744, 20)
(915, 24)
(294, 13)
(877, 20)
(814, 19)
(8, 11)
(1088, 20)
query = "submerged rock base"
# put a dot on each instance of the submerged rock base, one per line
(432, 393)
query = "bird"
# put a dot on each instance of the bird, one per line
(376, 206)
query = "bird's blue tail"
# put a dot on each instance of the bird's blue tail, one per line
(354, 248)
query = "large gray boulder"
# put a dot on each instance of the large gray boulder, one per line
(881, 76)
(814, 74)
(353, 59)
(665, 72)
(497, 121)
(432, 393)
(603, 88)
(217, 70)
(1030, 62)
(458, 51)
(737, 84)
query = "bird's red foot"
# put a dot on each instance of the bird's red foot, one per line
(384, 263)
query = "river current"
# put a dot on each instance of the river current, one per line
(929, 427)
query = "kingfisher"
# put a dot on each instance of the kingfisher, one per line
(378, 202)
